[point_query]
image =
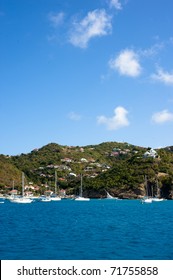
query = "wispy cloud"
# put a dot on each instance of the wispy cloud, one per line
(153, 50)
(118, 120)
(74, 116)
(115, 4)
(163, 76)
(56, 19)
(97, 23)
(126, 63)
(162, 117)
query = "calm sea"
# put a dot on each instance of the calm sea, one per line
(98, 229)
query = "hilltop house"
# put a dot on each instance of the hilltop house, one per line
(151, 153)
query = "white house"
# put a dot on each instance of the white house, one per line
(72, 174)
(151, 153)
(83, 160)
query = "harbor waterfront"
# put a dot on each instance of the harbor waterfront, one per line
(101, 229)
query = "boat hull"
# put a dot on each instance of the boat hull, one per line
(147, 200)
(21, 200)
(82, 199)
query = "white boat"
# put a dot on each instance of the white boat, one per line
(45, 198)
(157, 198)
(146, 198)
(55, 197)
(110, 196)
(22, 198)
(80, 197)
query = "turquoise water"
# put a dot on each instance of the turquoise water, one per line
(98, 229)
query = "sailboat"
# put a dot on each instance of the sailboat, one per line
(12, 196)
(55, 197)
(22, 198)
(110, 196)
(44, 198)
(80, 197)
(146, 199)
(156, 198)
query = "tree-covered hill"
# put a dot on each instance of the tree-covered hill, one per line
(119, 168)
(9, 173)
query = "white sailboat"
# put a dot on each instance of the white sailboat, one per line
(110, 196)
(157, 198)
(80, 197)
(55, 197)
(146, 199)
(45, 198)
(22, 198)
(11, 196)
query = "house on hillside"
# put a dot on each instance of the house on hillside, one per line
(48, 192)
(13, 192)
(62, 192)
(67, 160)
(151, 153)
(72, 174)
(83, 160)
(29, 194)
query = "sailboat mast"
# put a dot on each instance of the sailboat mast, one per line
(152, 194)
(55, 182)
(158, 189)
(146, 185)
(81, 186)
(23, 183)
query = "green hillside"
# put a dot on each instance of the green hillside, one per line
(119, 168)
(9, 173)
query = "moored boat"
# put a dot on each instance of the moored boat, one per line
(44, 198)
(109, 196)
(157, 198)
(55, 196)
(22, 198)
(146, 199)
(80, 197)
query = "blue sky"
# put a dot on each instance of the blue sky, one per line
(85, 72)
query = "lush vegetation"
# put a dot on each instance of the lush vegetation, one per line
(119, 168)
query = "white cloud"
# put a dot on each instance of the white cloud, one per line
(115, 4)
(56, 19)
(118, 120)
(163, 76)
(162, 117)
(74, 116)
(126, 63)
(97, 23)
(152, 51)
